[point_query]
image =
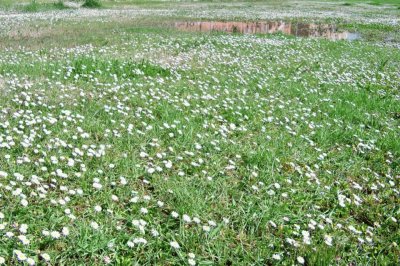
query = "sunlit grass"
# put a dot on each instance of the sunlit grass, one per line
(126, 141)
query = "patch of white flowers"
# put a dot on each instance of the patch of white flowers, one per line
(169, 161)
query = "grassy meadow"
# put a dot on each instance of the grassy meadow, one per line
(125, 141)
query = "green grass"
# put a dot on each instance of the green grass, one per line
(31, 7)
(91, 4)
(35, 6)
(375, 2)
(259, 137)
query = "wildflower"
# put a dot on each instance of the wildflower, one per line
(354, 230)
(276, 257)
(300, 260)
(154, 233)
(24, 202)
(55, 234)
(212, 223)
(123, 181)
(24, 240)
(328, 240)
(306, 237)
(107, 260)
(94, 225)
(168, 165)
(140, 241)
(151, 170)
(20, 256)
(23, 228)
(45, 256)
(97, 185)
(30, 261)
(186, 218)
(174, 244)
(65, 231)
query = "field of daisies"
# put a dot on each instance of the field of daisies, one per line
(125, 141)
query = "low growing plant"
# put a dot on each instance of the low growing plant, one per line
(92, 4)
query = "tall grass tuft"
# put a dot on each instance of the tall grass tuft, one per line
(33, 6)
(59, 5)
(91, 4)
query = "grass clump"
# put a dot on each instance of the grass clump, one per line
(34, 6)
(375, 3)
(60, 5)
(88, 68)
(91, 4)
